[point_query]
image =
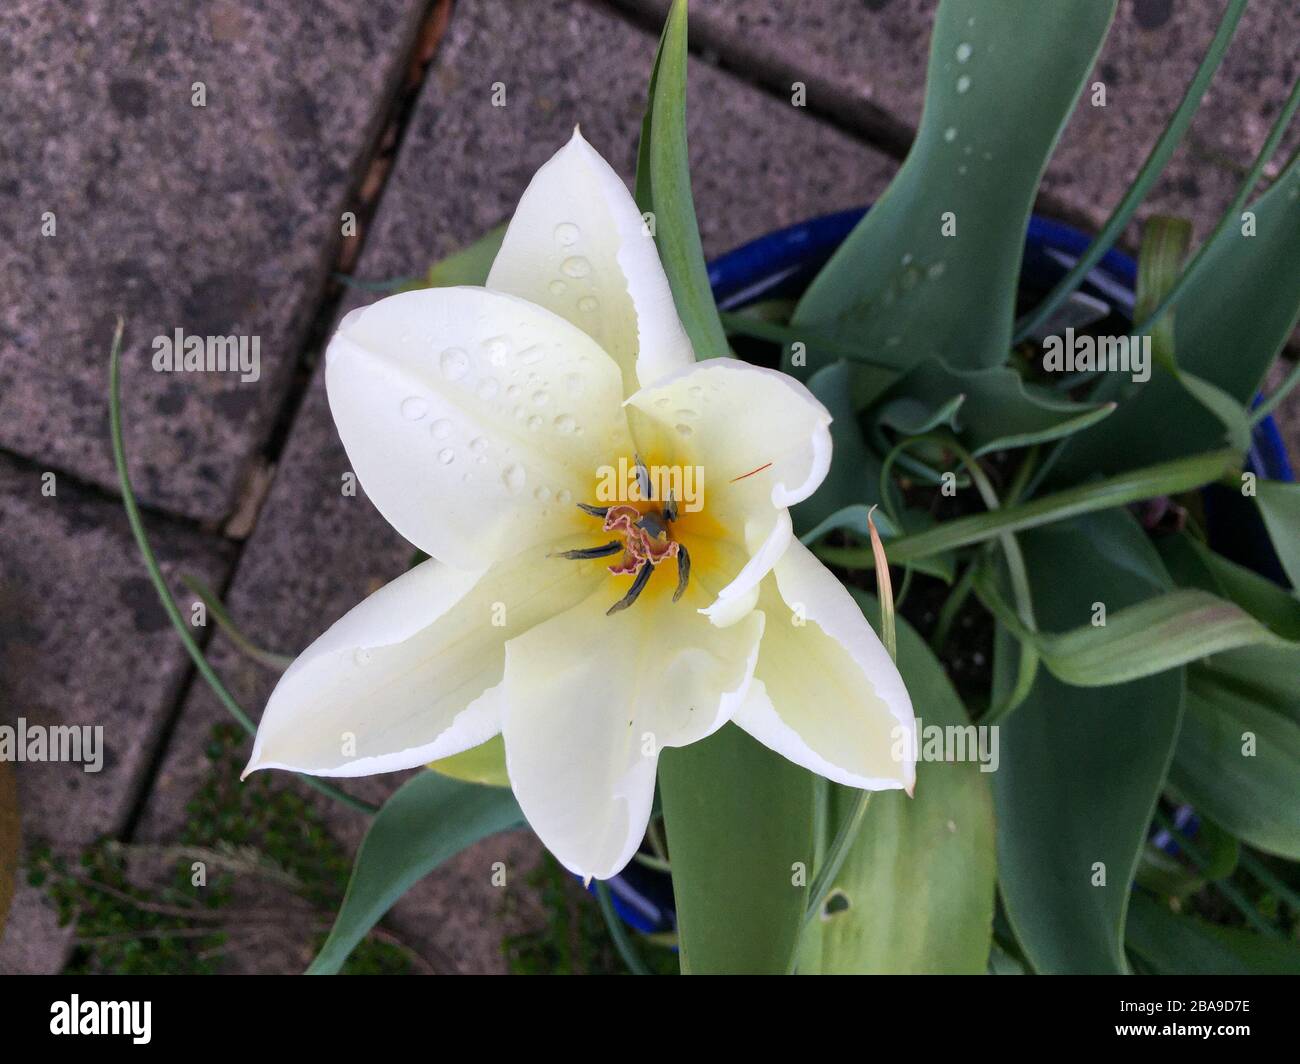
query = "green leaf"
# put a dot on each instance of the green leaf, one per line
(1000, 410)
(485, 763)
(1003, 79)
(739, 820)
(1237, 311)
(1279, 505)
(428, 820)
(1167, 478)
(918, 882)
(1081, 768)
(1238, 758)
(470, 265)
(1184, 945)
(1192, 564)
(1159, 633)
(663, 187)
(1161, 153)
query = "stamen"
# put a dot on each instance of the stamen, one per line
(582, 554)
(638, 585)
(595, 511)
(642, 479)
(670, 508)
(683, 571)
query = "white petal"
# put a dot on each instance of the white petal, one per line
(591, 700)
(412, 673)
(761, 442)
(578, 245)
(826, 693)
(475, 421)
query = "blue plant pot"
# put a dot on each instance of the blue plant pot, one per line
(783, 263)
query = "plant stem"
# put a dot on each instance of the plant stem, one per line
(618, 932)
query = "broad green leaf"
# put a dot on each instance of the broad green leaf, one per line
(1160, 262)
(1234, 316)
(1185, 945)
(1161, 153)
(485, 763)
(739, 821)
(428, 820)
(933, 268)
(663, 188)
(1193, 564)
(915, 894)
(1149, 482)
(1081, 768)
(1238, 759)
(1279, 505)
(910, 416)
(1163, 873)
(1000, 410)
(1159, 633)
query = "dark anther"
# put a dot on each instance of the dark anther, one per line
(642, 479)
(670, 508)
(683, 571)
(595, 511)
(638, 585)
(613, 547)
(653, 524)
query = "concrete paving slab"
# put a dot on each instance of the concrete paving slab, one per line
(84, 643)
(119, 195)
(463, 164)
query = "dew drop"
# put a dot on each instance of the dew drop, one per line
(497, 348)
(963, 83)
(588, 304)
(540, 397)
(514, 476)
(565, 424)
(513, 391)
(535, 422)
(467, 477)
(557, 287)
(575, 266)
(441, 428)
(907, 259)
(574, 384)
(697, 391)
(363, 656)
(414, 408)
(687, 414)
(541, 494)
(684, 431)
(478, 445)
(935, 270)
(963, 52)
(567, 234)
(950, 134)
(488, 388)
(530, 356)
(454, 363)
(446, 456)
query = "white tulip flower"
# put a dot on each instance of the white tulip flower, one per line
(488, 425)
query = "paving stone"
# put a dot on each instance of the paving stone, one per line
(218, 220)
(463, 164)
(864, 63)
(83, 642)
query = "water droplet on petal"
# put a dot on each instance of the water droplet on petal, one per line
(564, 496)
(530, 356)
(362, 656)
(513, 391)
(565, 424)
(535, 422)
(567, 234)
(414, 408)
(454, 363)
(441, 428)
(684, 431)
(687, 414)
(541, 398)
(557, 287)
(446, 456)
(588, 303)
(514, 476)
(575, 266)
(478, 445)
(541, 494)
